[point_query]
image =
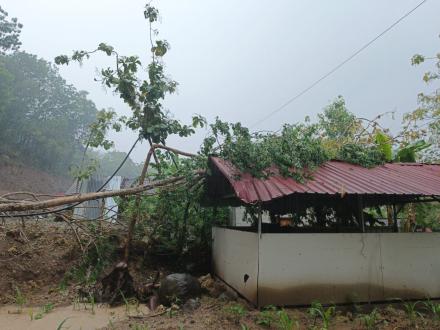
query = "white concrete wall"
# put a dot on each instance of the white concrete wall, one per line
(295, 269)
(235, 254)
(411, 262)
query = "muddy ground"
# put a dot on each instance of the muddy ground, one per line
(34, 261)
(15, 176)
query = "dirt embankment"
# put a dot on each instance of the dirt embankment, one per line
(19, 177)
(33, 261)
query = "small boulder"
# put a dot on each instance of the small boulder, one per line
(206, 282)
(178, 287)
(218, 289)
(191, 305)
(228, 295)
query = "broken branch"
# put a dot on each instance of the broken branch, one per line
(39, 205)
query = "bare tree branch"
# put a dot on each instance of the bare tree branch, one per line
(39, 205)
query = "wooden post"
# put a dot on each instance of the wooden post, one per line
(361, 213)
(101, 214)
(395, 224)
(260, 220)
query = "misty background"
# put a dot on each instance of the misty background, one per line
(240, 60)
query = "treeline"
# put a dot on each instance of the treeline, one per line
(43, 120)
(108, 161)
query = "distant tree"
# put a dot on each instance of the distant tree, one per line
(337, 122)
(44, 120)
(111, 160)
(10, 31)
(348, 137)
(423, 124)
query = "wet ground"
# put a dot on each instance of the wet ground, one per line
(74, 318)
(35, 258)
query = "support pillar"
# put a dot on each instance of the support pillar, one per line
(361, 213)
(395, 223)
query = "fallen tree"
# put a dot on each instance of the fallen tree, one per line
(25, 205)
(42, 205)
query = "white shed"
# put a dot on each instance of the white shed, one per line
(340, 254)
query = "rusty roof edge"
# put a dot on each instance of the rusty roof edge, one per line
(242, 186)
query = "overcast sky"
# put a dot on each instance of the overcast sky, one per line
(240, 60)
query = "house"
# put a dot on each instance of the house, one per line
(331, 250)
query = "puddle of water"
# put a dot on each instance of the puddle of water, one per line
(75, 319)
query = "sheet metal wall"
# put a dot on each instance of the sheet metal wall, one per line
(234, 255)
(295, 269)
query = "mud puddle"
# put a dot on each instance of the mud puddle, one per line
(36, 318)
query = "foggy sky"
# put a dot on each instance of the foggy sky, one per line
(240, 60)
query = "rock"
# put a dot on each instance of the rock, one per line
(217, 289)
(213, 287)
(228, 295)
(191, 305)
(178, 287)
(206, 282)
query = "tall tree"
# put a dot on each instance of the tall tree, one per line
(44, 120)
(424, 122)
(10, 30)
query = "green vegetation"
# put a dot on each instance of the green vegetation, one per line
(236, 311)
(130, 304)
(47, 308)
(10, 30)
(411, 311)
(337, 135)
(433, 308)
(172, 221)
(110, 160)
(43, 120)
(271, 316)
(19, 299)
(423, 124)
(325, 314)
(95, 259)
(370, 321)
(61, 325)
(267, 316)
(40, 111)
(286, 322)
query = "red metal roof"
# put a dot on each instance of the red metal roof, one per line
(336, 177)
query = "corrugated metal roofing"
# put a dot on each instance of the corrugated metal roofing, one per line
(336, 177)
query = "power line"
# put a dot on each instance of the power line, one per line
(337, 67)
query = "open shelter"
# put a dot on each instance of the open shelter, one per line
(332, 250)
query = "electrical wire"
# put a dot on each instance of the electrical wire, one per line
(75, 204)
(337, 67)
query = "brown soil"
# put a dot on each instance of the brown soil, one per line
(35, 259)
(215, 314)
(17, 177)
